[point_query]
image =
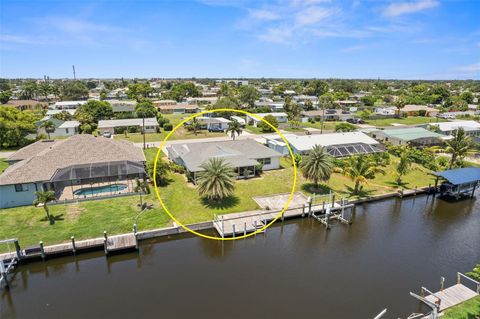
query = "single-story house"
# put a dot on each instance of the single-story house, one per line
(472, 128)
(61, 128)
(337, 144)
(178, 108)
(328, 115)
(51, 113)
(412, 110)
(415, 136)
(273, 106)
(202, 100)
(79, 167)
(243, 155)
(280, 116)
(151, 125)
(26, 104)
(122, 106)
(66, 105)
(386, 111)
(239, 119)
(212, 123)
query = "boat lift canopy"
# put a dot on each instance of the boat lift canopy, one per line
(461, 175)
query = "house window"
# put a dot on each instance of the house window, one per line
(265, 161)
(66, 130)
(21, 187)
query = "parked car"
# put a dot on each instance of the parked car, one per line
(355, 121)
(216, 129)
(107, 134)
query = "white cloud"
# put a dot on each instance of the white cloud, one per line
(281, 35)
(299, 3)
(262, 14)
(470, 68)
(399, 8)
(354, 48)
(313, 15)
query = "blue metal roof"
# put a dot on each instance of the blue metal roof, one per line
(461, 175)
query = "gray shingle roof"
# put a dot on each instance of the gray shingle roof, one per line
(237, 153)
(46, 158)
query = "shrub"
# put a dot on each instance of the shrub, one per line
(174, 167)
(265, 127)
(132, 129)
(168, 126)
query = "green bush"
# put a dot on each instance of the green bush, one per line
(168, 126)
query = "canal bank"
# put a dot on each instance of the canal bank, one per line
(296, 269)
(76, 247)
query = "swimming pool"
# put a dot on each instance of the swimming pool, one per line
(100, 189)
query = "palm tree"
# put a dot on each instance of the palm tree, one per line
(404, 164)
(459, 146)
(360, 169)
(194, 126)
(399, 104)
(44, 197)
(317, 165)
(49, 127)
(216, 181)
(141, 186)
(234, 128)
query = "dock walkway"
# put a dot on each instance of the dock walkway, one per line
(121, 242)
(452, 296)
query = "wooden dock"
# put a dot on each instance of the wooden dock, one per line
(451, 296)
(234, 224)
(120, 242)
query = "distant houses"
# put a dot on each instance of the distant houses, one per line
(472, 128)
(114, 126)
(245, 156)
(281, 117)
(413, 136)
(172, 107)
(415, 110)
(327, 115)
(66, 105)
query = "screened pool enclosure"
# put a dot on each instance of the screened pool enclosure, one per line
(83, 181)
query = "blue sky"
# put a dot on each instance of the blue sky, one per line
(403, 39)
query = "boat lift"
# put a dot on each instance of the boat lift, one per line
(331, 212)
(7, 265)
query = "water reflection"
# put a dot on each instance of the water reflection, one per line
(296, 269)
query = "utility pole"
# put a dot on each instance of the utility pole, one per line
(74, 76)
(143, 120)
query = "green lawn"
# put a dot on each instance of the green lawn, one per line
(327, 125)
(413, 120)
(3, 165)
(467, 310)
(253, 129)
(90, 218)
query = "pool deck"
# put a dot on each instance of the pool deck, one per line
(68, 192)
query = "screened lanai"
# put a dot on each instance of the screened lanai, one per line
(345, 150)
(95, 179)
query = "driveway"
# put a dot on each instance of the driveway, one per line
(5, 154)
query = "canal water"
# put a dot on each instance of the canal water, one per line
(296, 270)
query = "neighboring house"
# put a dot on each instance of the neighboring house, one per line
(415, 136)
(26, 104)
(328, 115)
(273, 106)
(212, 123)
(51, 113)
(337, 144)
(239, 119)
(79, 167)
(151, 125)
(122, 106)
(347, 103)
(386, 111)
(472, 128)
(202, 100)
(66, 105)
(280, 116)
(178, 108)
(413, 110)
(243, 155)
(62, 128)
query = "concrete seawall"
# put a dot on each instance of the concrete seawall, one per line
(75, 247)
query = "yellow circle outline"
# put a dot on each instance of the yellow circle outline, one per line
(227, 238)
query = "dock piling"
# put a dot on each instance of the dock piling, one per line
(233, 228)
(74, 248)
(42, 250)
(105, 242)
